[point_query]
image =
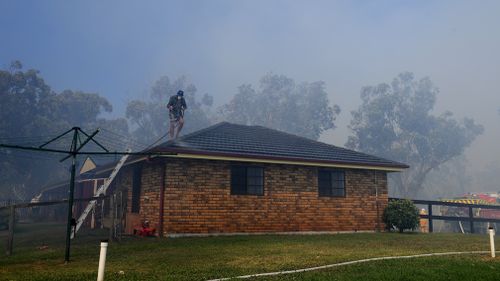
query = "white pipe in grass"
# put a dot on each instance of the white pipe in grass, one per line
(491, 231)
(345, 263)
(102, 260)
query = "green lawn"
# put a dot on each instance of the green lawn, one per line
(215, 257)
(433, 268)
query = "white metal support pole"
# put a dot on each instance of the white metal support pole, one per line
(102, 260)
(491, 231)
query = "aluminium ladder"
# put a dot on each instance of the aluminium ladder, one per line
(101, 190)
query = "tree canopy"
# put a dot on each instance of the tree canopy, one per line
(149, 118)
(279, 103)
(395, 121)
(31, 112)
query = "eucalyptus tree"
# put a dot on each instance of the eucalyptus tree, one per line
(30, 113)
(149, 117)
(303, 109)
(396, 121)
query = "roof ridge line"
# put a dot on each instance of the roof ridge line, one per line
(325, 144)
(300, 137)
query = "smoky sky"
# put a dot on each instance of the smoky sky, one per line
(119, 48)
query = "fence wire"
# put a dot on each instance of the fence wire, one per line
(42, 226)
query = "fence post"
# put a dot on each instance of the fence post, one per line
(491, 232)
(10, 238)
(112, 213)
(471, 217)
(120, 218)
(431, 227)
(102, 213)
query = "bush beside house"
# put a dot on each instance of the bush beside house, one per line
(401, 215)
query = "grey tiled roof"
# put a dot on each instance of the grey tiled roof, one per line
(261, 142)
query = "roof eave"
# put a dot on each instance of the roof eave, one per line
(210, 155)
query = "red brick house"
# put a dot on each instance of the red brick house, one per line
(232, 179)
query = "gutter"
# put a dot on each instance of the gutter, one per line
(126, 164)
(144, 156)
(57, 185)
(190, 154)
(282, 160)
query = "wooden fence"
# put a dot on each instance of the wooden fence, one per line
(471, 219)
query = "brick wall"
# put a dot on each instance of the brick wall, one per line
(198, 200)
(150, 193)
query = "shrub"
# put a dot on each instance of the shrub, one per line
(401, 214)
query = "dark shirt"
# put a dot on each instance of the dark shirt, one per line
(178, 105)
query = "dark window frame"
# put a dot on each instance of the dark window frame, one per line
(331, 182)
(242, 185)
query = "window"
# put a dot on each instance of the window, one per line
(247, 180)
(331, 183)
(136, 190)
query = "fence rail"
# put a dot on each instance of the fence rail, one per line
(48, 203)
(13, 218)
(470, 218)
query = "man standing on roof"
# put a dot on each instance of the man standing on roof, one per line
(176, 106)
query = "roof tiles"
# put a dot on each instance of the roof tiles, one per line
(261, 142)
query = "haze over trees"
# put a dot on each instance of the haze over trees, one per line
(31, 109)
(279, 103)
(31, 112)
(149, 118)
(395, 121)
(487, 178)
(452, 178)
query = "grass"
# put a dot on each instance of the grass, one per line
(215, 257)
(432, 268)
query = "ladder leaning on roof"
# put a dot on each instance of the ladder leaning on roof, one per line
(101, 190)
